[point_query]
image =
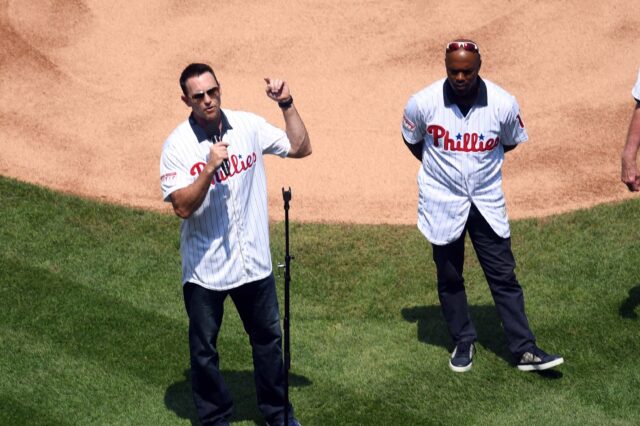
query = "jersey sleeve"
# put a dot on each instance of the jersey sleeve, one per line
(636, 89)
(272, 139)
(174, 174)
(513, 131)
(413, 123)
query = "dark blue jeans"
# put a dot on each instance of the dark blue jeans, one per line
(257, 305)
(497, 261)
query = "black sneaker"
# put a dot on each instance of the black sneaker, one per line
(462, 357)
(537, 360)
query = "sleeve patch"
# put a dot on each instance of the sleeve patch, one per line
(408, 124)
(168, 177)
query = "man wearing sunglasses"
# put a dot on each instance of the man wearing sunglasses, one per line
(212, 171)
(459, 128)
(629, 174)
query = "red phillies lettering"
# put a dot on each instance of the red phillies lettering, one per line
(450, 144)
(465, 142)
(237, 166)
(197, 168)
(437, 132)
(492, 143)
(219, 176)
(251, 160)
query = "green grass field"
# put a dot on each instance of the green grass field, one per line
(93, 329)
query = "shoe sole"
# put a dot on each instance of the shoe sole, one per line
(460, 369)
(540, 367)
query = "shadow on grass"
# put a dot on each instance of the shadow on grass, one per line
(628, 306)
(81, 320)
(241, 385)
(550, 374)
(16, 410)
(432, 328)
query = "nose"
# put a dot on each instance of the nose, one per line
(460, 77)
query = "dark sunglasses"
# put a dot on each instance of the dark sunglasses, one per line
(199, 96)
(466, 45)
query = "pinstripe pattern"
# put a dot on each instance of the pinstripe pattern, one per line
(462, 158)
(225, 243)
(636, 89)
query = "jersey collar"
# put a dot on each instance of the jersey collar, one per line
(449, 96)
(202, 135)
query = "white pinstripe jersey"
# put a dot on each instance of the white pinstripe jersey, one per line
(462, 157)
(636, 89)
(225, 243)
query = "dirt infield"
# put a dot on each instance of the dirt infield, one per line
(89, 92)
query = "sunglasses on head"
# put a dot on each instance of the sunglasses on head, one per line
(465, 45)
(199, 96)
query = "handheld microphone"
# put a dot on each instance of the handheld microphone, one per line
(225, 163)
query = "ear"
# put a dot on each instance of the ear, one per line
(186, 100)
(479, 64)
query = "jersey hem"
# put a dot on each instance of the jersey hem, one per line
(228, 287)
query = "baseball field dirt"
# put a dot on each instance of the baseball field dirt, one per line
(90, 91)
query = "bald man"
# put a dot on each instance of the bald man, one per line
(459, 129)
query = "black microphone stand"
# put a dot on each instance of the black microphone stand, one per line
(286, 195)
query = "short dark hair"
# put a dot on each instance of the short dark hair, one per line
(195, 70)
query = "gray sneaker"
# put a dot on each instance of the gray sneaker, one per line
(462, 357)
(536, 359)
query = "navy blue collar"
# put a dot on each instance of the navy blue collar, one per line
(449, 95)
(201, 133)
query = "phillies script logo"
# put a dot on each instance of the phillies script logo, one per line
(468, 142)
(237, 165)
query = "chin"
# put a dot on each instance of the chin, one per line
(213, 116)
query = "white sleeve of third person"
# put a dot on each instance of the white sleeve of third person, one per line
(513, 131)
(413, 123)
(636, 89)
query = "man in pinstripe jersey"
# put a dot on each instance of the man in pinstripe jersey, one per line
(459, 128)
(212, 171)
